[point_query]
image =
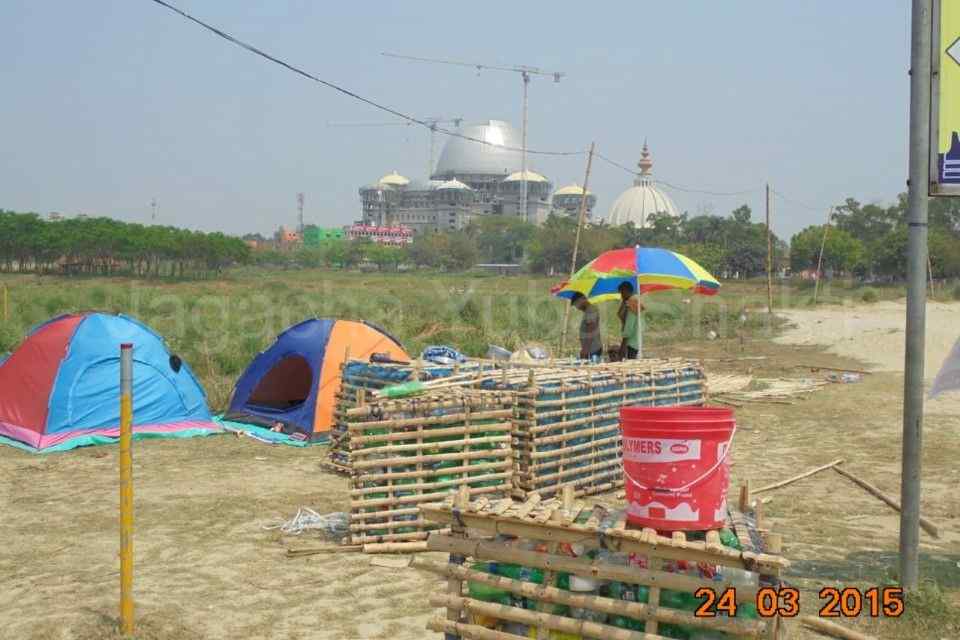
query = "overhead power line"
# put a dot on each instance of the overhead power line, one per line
(347, 92)
(798, 203)
(673, 186)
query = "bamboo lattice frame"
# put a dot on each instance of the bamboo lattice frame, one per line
(567, 430)
(407, 452)
(556, 521)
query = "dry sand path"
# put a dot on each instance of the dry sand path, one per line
(874, 334)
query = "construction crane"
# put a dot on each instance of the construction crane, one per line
(431, 123)
(526, 73)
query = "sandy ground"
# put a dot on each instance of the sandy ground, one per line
(205, 568)
(874, 333)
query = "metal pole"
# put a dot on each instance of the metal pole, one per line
(769, 257)
(523, 160)
(126, 489)
(920, 71)
(576, 244)
(433, 134)
(636, 292)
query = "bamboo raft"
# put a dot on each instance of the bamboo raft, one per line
(360, 379)
(407, 452)
(486, 530)
(566, 418)
(567, 429)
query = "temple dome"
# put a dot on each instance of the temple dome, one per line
(463, 156)
(452, 184)
(644, 199)
(531, 176)
(394, 179)
(571, 190)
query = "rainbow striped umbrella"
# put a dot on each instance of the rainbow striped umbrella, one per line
(647, 269)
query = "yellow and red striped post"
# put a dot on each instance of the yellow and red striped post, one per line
(126, 489)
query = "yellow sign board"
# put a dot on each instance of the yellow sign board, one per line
(945, 121)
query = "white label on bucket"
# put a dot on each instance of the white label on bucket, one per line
(660, 450)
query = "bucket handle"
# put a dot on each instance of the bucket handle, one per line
(729, 445)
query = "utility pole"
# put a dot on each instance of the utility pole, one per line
(823, 245)
(917, 210)
(525, 73)
(300, 209)
(769, 257)
(576, 244)
(523, 153)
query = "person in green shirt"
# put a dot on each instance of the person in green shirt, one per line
(629, 314)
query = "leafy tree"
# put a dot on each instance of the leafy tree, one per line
(842, 252)
(501, 239)
(104, 246)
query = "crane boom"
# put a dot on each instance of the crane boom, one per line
(526, 72)
(473, 65)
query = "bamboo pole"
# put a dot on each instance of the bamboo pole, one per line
(576, 245)
(806, 474)
(579, 628)
(456, 630)
(627, 540)
(6, 303)
(438, 457)
(359, 427)
(823, 245)
(495, 551)
(420, 446)
(395, 547)
(832, 629)
(609, 606)
(126, 489)
(429, 473)
(925, 524)
(423, 497)
(769, 257)
(432, 485)
(433, 433)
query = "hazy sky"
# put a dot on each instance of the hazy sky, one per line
(109, 103)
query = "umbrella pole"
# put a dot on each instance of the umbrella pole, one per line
(639, 330)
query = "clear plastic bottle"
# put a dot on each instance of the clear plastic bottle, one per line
(586, 587)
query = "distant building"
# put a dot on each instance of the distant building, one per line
(315, 236)
(471, 179)
(287, 239)
(644, 199)
(395, 236)
(566, 201)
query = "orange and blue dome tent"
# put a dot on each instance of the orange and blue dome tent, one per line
(60, 388)
(294, 383)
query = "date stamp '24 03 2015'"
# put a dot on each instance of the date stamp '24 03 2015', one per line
(835, 602)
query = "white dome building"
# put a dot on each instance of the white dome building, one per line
(643, 199)
(394, 179)
(567, 200)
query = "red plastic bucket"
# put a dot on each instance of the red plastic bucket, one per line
(675, 466)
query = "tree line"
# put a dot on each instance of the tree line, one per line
(730, 247)
(870, 240)
(103, 246)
